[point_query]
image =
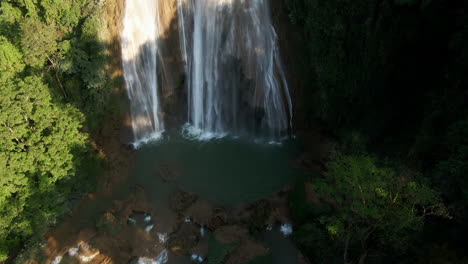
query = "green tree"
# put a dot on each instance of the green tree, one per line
(449, 173)
(11, 60)
(30, 6)
(373, 203)
(38, 41)
(46, 45)
(10, 13)
(38, 139)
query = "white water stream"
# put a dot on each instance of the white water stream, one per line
(139, 55)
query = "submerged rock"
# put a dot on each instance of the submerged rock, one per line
(255, 215)
(181, 200)
(167, 173)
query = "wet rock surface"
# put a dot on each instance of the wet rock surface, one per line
(131, 229)
(255, 214)
(232, 234)
(184, 239)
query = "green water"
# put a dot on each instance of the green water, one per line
(224, 171)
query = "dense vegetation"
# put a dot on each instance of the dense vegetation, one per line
(51, 77)
(389, 79)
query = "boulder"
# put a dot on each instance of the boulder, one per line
(200, 212)
(232, 234)
(255, 215)
(184, 239)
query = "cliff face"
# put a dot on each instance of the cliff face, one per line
(291, 48)
(171, 76)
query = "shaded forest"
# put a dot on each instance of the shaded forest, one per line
(388, 79)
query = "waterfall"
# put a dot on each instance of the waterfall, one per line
(236, 81)
(139, 55)
(234, 76)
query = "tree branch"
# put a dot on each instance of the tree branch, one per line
(57, 77)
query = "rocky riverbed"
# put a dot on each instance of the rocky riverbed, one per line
(131, 230)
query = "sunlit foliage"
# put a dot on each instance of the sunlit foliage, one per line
(51, 69)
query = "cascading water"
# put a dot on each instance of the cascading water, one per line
(236, 82)
(139, 55)
(234, 77)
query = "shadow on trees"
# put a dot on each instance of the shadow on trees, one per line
(387, 77)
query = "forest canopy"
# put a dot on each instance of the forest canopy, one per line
(51, 76)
